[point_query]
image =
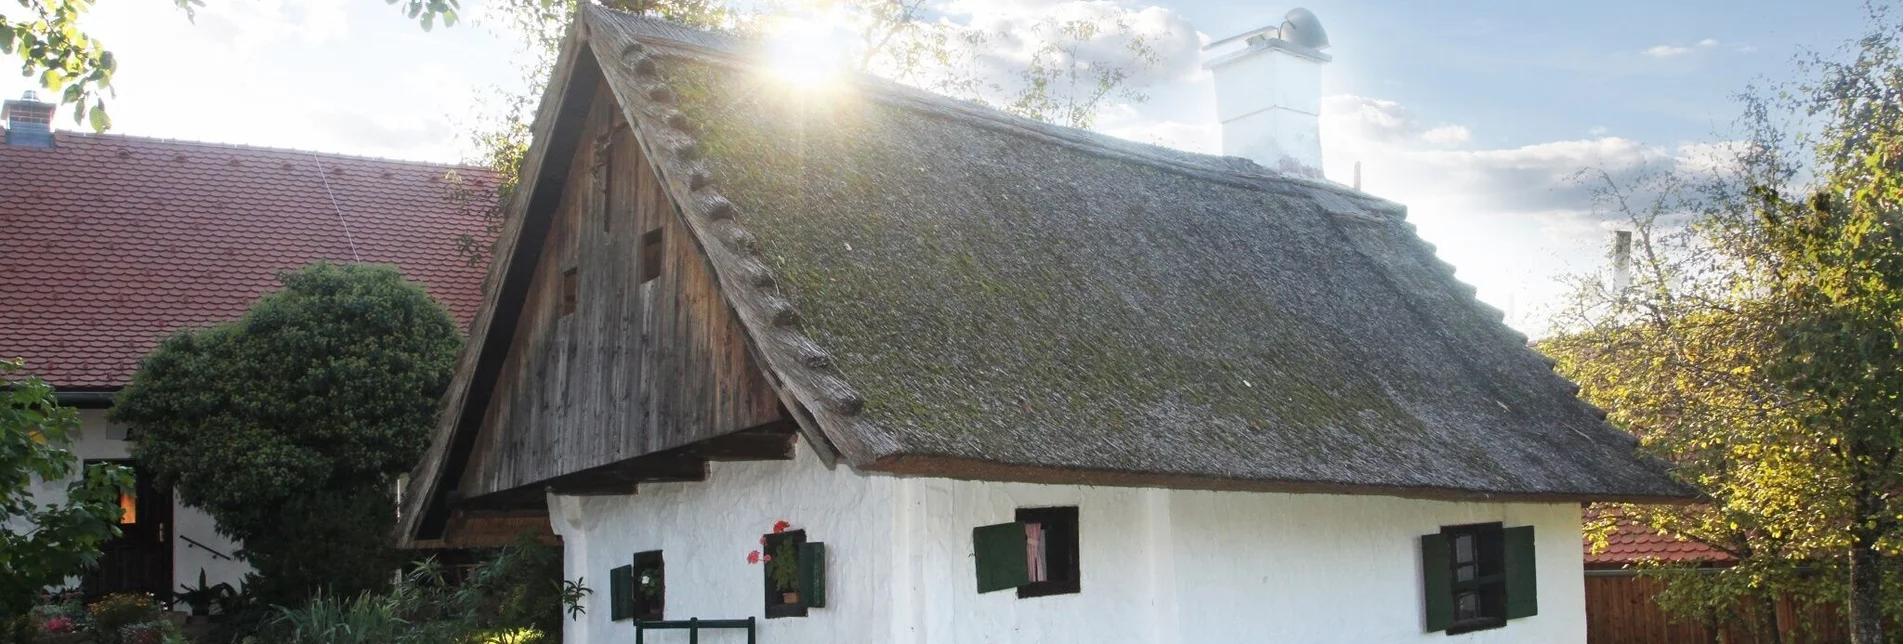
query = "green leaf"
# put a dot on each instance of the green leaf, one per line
(97, 117)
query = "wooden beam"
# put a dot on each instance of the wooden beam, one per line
(679, 465)
(770, 442)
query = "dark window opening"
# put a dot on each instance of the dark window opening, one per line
(795, 573)
(650, 255)
(1477, 561)
(650, 586)
(570, 290)
(1050, 551)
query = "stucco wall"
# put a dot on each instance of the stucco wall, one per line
(1157, 565)
(100, 439)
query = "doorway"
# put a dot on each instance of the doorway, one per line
(140, 559)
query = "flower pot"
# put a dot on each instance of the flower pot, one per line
(790, 599)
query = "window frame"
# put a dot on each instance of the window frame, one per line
(1489, 578)
(643, 609)
(770, 591)
(1061, 536)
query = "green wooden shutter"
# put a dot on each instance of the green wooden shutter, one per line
(1437, 578)
(999, 551)
(621, 593)
(1523, 598)
(812, 578)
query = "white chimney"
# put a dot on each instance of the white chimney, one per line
(1268, 94)
(29, 121)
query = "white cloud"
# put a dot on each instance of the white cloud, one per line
(1672, 51)
(1667, 51)
(1513, 219)
(1447, 136)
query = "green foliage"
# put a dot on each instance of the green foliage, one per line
(1759, 347)
(649, 583)
(515, 596)
(59, 539)
(290, 425)
(784, 566)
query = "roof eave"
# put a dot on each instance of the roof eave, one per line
(564, 103)
(981, 470)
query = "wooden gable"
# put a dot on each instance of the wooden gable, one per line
(623, 347)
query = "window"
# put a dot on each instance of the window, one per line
(1037, 554)
(650, 255)
(649, 585)
(570, 291)
(1478, 576)
(795, 572)
(128, 508)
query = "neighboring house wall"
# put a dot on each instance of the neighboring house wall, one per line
(1156, 565)
(100, 439)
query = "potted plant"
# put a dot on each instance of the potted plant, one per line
(203, 597)
(783, 567)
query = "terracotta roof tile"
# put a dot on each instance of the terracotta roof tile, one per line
(112, 242)
(1631, 543)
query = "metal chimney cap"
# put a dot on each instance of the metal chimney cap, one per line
(1301, 27)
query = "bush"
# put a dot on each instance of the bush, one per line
(517, 596)
(129, 618)
(289, 426)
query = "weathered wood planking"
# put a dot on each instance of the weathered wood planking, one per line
(637, 367)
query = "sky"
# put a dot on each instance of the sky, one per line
(1473, 113)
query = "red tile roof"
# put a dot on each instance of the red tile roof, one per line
(108, 243)
(1631, 543)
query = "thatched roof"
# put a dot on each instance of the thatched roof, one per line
(945, 289)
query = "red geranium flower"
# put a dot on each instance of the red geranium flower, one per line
(753, 557)
(780, 526)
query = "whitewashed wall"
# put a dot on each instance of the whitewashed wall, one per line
(102, 439)
(1158, 566)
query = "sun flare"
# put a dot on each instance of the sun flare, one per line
(808, 51)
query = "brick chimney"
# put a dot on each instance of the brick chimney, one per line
(1268, 94)
(29, 121)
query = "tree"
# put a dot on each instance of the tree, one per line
(290, 425)
(1759, 347)
(44, 543)
(79, 69)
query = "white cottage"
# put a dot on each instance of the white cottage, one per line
(865, 364)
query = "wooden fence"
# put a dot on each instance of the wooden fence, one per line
(1620, 610)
